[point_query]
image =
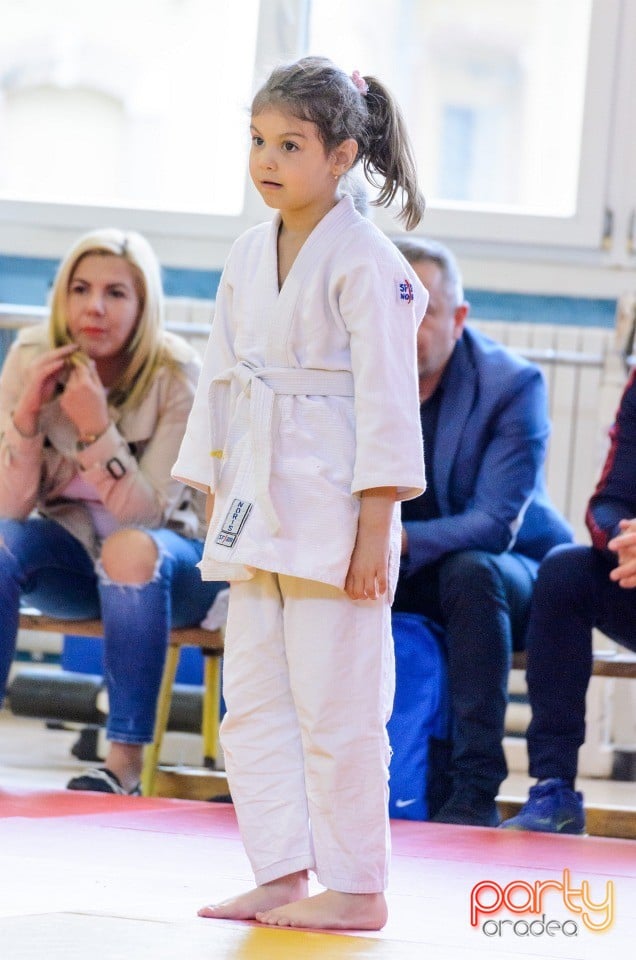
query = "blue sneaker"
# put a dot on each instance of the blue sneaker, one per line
(551, 807)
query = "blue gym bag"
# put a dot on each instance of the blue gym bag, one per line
(419, 728)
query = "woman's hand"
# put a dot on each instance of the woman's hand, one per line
(40, 381)
(84, 400)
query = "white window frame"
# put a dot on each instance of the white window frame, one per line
(585, 229)
(202, 241)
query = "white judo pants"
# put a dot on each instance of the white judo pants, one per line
(308, 682)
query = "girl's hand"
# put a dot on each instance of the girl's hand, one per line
(84, 400)
(41, 379)
(367, 577)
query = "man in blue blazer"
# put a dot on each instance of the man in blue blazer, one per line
(472, 543)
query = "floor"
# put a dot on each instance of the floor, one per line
(34, 757)
(88, 875)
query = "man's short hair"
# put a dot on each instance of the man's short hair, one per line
(417, 249)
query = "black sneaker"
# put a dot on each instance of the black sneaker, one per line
(468, 808)
(102, 780)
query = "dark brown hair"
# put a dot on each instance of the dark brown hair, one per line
(314, 89)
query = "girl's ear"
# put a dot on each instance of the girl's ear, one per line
(344, 156)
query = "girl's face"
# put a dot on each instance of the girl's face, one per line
(290, 167)
(103, 305)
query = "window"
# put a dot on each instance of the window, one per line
(519, 110)
(505, 100)
(138, 105)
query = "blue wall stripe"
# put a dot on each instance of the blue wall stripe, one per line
(202, 284)
(27, 280)
(533, 308)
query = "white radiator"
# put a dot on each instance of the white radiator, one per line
(585, 374)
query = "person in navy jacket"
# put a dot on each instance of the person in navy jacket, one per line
(579, 588)
(472, 542)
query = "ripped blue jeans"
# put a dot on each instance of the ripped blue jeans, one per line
(44, 566)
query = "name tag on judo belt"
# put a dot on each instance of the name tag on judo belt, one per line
(234, 523)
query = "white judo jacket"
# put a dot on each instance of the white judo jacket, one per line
(307, 396)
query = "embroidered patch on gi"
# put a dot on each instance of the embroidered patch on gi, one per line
(233, 523)
(405, 291)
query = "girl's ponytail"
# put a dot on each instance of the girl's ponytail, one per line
(388, 152)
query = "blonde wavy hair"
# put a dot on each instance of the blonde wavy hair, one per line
(146, 350)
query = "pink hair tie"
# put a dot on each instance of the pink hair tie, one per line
(360, 83)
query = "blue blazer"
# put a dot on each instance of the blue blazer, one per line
(490, 447)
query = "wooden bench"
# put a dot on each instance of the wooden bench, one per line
(606, 663)
(173, 781)
(185, 636)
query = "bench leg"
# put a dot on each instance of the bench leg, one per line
(211, 709)
(153, 750)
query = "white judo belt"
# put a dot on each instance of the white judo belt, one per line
(262, 384)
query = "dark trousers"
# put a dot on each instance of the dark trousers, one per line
(573, 594)
(482, 600)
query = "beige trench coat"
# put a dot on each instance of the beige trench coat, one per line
(129, 465)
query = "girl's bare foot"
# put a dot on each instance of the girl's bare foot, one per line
(263, 898)
(330, 910)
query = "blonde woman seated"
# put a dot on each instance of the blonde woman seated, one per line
(93, 406)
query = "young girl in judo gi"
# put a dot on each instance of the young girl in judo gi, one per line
(305, 432)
